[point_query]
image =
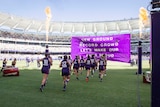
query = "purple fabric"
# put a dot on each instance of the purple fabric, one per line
(116, 47)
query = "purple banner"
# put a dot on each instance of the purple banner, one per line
(116, 47)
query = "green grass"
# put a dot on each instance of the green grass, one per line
(118, 89)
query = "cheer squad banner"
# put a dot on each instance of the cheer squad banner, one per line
(116, 47)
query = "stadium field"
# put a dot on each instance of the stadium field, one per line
(118, 89)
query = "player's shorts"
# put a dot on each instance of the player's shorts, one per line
(88, 67)
(101, 67)
(82, 65)
(45, 70)
(76, 67)
(65, 72)
(93, 65)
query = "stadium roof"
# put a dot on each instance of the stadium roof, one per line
(13, 22)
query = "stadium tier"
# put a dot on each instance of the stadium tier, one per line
(19, 34)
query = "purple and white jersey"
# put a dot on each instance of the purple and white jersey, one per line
(46, 65)
(76, 63)
(88, 62)
(65, 67)
(64, 64)
(101, 64)
(82, 61)
(92, 60)
(46, 62)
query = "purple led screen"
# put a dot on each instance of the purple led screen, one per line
(116, 47)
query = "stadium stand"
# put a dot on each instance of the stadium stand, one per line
(22, 35)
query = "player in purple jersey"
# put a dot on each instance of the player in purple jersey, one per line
(76, 63)
(101, 68)
(105, 64)
(46, 61)
(82, 65)
(65, 71)
(88, 67)
(70, 62)
(93, 65)
(49, 56)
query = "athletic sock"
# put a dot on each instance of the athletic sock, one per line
(41, 88)
(66, 82)
(44, 84)
(64, 86)
(91, 72)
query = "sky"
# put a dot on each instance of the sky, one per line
(75, 10)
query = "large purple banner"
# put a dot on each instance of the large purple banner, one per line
(116, 47)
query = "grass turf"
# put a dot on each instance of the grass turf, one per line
(118, 89)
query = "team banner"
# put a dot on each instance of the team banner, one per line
(116, 47)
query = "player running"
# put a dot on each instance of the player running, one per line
(93, 65)
(76, 63)
(105, 64)
(101, 68)
(46, 61)
(70, 62)
(88, 67)
(65, 71)
(82, 65)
